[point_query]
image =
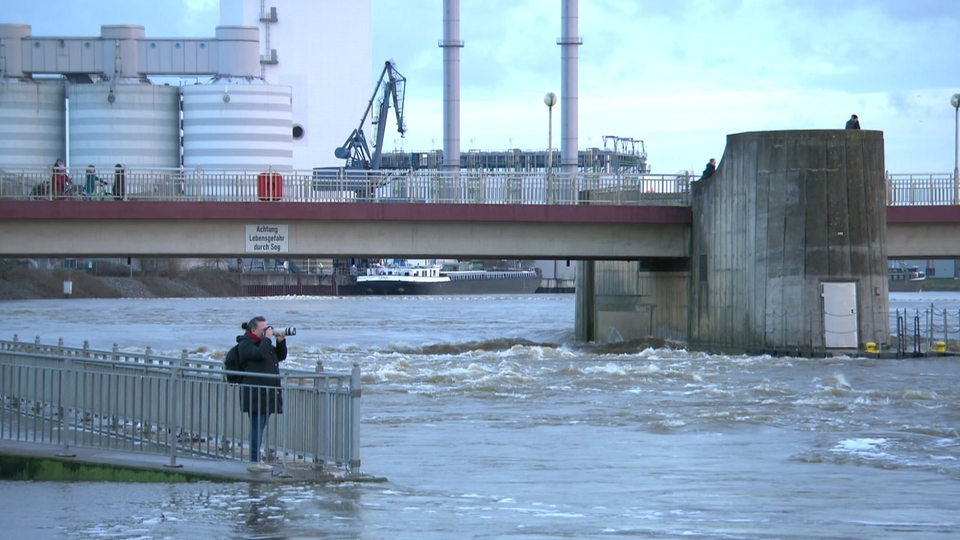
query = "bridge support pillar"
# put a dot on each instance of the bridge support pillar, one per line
(789, 244)
(631, 300)
(585, 328)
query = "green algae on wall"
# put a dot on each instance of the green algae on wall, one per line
(49, 470)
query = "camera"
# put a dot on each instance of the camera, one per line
(288, 331)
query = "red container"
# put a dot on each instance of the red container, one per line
(269, 186)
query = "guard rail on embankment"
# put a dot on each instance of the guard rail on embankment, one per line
(414, 186)
(144, 403)
(917, 332)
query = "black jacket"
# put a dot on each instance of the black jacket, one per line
(261, 395)
(708, 171)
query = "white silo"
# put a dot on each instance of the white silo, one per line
(230, 125)
(32, 113)
(121, 51)
(32, 124)
(11, 49)
(237, 121)
(136, 124)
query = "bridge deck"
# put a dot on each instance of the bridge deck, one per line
(589, 216)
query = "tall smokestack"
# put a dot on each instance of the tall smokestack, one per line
(451, 46)
(569, 53)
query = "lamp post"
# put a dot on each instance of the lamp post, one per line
(955, 101)
(550, 99)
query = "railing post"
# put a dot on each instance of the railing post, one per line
(928, 334)
(67, 395)
(281, 450)
(901, 331)
(355, 393)
(945, 335)
(916, 333)
(175, 427)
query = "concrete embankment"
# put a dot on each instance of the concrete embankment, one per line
(38, 462)
(22, 283)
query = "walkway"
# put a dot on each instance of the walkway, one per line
(150, 413)
(87, 464)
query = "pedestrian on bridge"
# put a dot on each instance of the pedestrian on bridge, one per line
(60, 181)
(709, 169)
(92, 184)
(260, 396)
(853, 122)
(119, 182)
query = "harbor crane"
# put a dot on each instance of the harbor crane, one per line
(355, 149)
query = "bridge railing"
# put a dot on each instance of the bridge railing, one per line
(172, 407)
(345, 185)
(411, 186)
(921, 190)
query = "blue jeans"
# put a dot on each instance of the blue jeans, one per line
(258, 432)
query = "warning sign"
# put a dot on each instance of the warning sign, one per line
(267, 239)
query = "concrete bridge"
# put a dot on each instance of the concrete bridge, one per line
(922, 221)
(190, 229)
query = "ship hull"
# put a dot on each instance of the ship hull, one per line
(905, 279)
(517, 285)
(914, 285)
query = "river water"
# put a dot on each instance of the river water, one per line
(488, 421)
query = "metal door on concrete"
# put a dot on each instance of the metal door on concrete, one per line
(840, 315)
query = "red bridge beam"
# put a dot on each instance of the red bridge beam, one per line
(278, 211)
(923, 214)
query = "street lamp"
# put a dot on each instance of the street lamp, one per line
(550, 99)
(955, 101)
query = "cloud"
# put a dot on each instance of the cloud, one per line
(680, 75)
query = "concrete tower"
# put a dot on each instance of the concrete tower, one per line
(789, 244)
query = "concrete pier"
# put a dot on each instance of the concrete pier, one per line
(787, 254)
(789, 248)
(631, 300)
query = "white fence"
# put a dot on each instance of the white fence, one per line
(921, 190)
(172, 406)
(411, 186)
(423, 186)
(345, 185)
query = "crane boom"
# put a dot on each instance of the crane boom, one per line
(355, 149)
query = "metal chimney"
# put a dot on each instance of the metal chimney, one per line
(569, 55)
(451, 45)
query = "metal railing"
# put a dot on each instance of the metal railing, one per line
(918, 331)
(144, 403)
(411, 186)
(345, 185)
(922, 190)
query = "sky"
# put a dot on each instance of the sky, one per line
(679, 75)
